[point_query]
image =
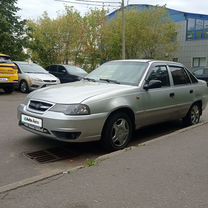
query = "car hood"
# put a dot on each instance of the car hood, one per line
(75, 92)
(42, 76)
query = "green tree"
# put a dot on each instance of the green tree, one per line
(12, 30)
(44, 41)
(56, 40)
(70, 32)
(93, 26)
(149, 34)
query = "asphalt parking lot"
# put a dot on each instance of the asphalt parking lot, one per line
(15, 143)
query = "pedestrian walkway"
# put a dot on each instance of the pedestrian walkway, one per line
(169, 172)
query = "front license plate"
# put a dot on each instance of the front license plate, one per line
(31, 120)
(4, 79)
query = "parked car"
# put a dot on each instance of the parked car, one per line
(114, 100)
(32, 77)
(201, 73)
(67, 73)
(8, 74)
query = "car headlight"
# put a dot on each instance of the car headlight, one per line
(26, 100)
(71, 109)
(36, 79)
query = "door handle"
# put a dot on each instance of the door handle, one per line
(191, 91)
(172, 94)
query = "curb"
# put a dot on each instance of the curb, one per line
(35, 179)
(50, 174)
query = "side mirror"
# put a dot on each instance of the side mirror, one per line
(152, 84)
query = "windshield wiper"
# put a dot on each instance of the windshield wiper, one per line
(89, 79)
(110, 80)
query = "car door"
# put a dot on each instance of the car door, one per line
(183, 89)
(62, 74)
(158, 103)
(52, 70)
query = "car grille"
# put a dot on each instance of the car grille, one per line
(39, 106)
(49, 80)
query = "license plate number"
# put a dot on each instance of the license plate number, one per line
(4, 79)
(31, 121)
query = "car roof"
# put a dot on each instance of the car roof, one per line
(4, 55)
(64, 65)
(23, 62)
(149, 61)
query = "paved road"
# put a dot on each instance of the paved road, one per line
(166, 173)
(14, 141)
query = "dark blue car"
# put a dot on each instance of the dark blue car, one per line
(66, 73)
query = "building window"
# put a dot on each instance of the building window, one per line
(199, 24)
(199, 61)
(197, 29)
(191, 24)
(205, 24)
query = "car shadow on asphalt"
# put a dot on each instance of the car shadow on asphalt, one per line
(93, 150)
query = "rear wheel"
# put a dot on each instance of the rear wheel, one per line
(117, 132)
(193, 116)
(23, 86)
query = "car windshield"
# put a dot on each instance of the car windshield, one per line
(119, 72)
(5, 59)
(74, 70)
(32, 68)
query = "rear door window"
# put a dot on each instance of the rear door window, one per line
(179, 75)
(199, 72)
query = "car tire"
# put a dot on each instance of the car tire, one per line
(193, 115)
(117, 132)
(23, 87)
(8, 89)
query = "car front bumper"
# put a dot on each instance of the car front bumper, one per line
(66, 128)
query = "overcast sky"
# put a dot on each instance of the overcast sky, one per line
(34, 8)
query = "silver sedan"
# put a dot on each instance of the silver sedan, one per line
(32, 76)
(114, 100)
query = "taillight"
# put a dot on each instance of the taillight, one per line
(14, 67)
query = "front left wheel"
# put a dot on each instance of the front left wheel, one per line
(23, 87)
(117, 131)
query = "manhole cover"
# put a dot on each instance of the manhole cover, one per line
(51, 154)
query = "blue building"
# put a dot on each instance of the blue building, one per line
(192, 35)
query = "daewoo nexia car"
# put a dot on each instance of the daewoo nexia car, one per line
(114, 100)
(32, 76)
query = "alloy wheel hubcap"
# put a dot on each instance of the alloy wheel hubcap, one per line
(23, 87)
(195, 114)
(120, 132)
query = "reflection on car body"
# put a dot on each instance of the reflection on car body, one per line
(142, 92)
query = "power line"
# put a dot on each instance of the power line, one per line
(102, 4)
